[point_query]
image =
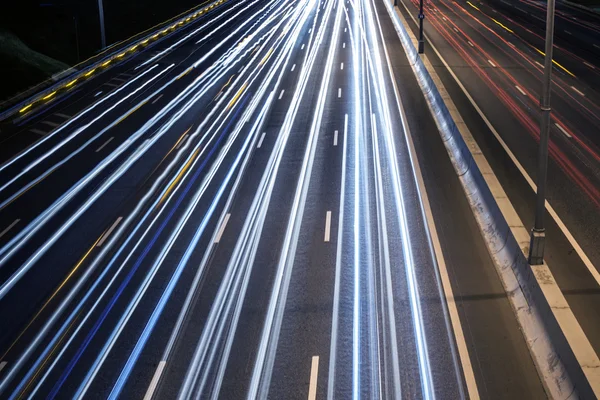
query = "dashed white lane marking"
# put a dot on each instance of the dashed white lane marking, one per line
(491, 63)
(342, 66)
(335, 137)
(50, 123)
(108, 232)
(339, 92)
(563, 130)
(521, 90)
(327, 226)
(345, 29)
(568, 33)
(154, 382)
(589, 65)
(293, 67)
(444, 18)
(470, 44)
(310, 30)
(112, 84)
(262, 137)
(181, 141)
(344, 45)
(222, 228)
(455, 30)
(314, 373)
(281, 94)
(4, 232)
(157, 98)
(539, 64)
(2, 365)
(98, 94)
(65, 116)
(105, 143)
(39, 132)
(578, 91)
(302, 48)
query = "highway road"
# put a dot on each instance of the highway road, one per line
(489, 55)
(257, 206)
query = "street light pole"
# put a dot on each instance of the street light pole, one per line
(421, 20)
(102, 34)
(538, 233)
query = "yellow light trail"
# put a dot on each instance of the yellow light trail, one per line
(179, 176)
(472, 5)
(555, 63)
(503, 26)
(237, 96)
(130, 112)
(27, 107)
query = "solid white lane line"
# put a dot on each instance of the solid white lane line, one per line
(589, 65)
(491, 63)
(314, 373)
(50, 123)
(281, 94)
(108, 232)
(335, 136)
(342, 66)
(578, 91)
(302, 48)
(157, 98)
(328, 226)
(2, 365)
(339, 92)
(39, 132)
(154, 382)
(222, 228)
(4, 232)
(521, 90)
(105, 143)
(262, 137)
(65, 116)
(293, 67)
(470, 44)
(560, 128)
(181, 141)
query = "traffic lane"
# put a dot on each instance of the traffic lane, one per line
(495, 344)
(569, 199)
(571, 273)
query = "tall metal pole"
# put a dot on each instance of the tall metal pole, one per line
(421, 20)
(538, 233)
(102, 34)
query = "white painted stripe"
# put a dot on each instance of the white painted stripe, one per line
(108, 232)
(521, 90)
(157, 98)
(262, 137)
(339, 92)
(50, 123)
(568, 33)
(181, 141)
(98, 94)
(470, 44)
(335, 138)
(327, 226)
(302, 48)
(65, 116)
(112, 84)
(281, 94)
(344, 45)
(511, 44)
(578, 91)
(589, 65)
(222, 228)
(39, 132)
(560, 128)
(539, 64)
(293, 67)
(310, 30)
(16, 221)
(345, 29)
(314, 373)
(2, 365)
(491, 63)
(105, 143)
(455, 30)
(596, 46)
(342, 66)
(154, 382)
(444, 18)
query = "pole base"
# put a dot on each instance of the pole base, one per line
(536, 247)
(421, 47)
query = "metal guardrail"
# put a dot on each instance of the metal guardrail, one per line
(47, 91)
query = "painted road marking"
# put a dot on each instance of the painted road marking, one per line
(328, 226)
(589, 65)
(154, 382)
(335, 136)
(470, 44)
(455, 30)
(314, 373)
(262, 137)
(491, 63)
(539, 64)
(39, 132)
(521, 90)
(181, 141)
(108, 232)
(2, 365)
(4, 232)
(112, 84)
(342, 66)
(302, 48)
(578, 91)
(345, 29)
(105, 143)
(222, 228)
(293, 67)
(339, 92)
(560, 128)
(65, 116)
(50, 123)
(281, 94)
(98, 94)
(157, 98)
(344, 45)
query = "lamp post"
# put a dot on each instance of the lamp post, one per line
(102, 34)
(421, 20)
(538, 233)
